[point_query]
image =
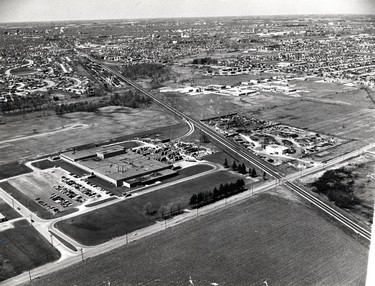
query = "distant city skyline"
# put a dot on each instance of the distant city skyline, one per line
(65, 10)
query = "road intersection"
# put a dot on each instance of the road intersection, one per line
(70, 257)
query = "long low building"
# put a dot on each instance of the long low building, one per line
(118, 165)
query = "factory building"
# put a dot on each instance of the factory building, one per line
(119, 166)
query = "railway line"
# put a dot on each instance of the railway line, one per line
(332, 212)
(248, 157)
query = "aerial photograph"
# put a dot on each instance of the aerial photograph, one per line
(187, 142)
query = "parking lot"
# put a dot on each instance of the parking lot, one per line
(56, 190)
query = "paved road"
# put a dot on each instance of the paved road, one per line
(136, 235)
(279, 178)
(245, 155)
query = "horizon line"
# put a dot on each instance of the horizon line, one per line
(193, 17)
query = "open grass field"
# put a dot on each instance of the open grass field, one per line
(22, 249)
(45, 135)
(201, 106)
(356, 97)
(218, 158)
(8, 210)
(39, 184)
(319, 89)
(44, 164)
(94, 228)
(266, 238)
(193, 170)
(129, 215)
(13, 169)
(25, 200)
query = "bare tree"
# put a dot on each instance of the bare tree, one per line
(147, 208)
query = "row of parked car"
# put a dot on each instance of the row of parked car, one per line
(69, 193)
(79, 187)
(99, 189)
(47, 206)
(60, 200)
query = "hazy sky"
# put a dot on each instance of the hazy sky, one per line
(51, 10)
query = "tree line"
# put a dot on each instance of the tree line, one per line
(29, 103)
(39, 102)
(205, 61)
(224, 191)
(164, 211)
(157, 72)
(241, 168)
(127, 99)
(338, 186)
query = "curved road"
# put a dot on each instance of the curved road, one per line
(244, 154)
(280, 178)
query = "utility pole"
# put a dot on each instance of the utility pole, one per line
(126, 238)
(82, 253)
(51, 238)
(30, 275)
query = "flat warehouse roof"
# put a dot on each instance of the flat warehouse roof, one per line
(123, 166)
(78, 155)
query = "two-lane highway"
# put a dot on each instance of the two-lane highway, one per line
(245, 155)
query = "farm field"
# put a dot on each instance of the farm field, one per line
(51, 134)
(129, 215)
(22, 249)
(270, 237)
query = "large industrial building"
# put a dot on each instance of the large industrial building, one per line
(119, 166)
